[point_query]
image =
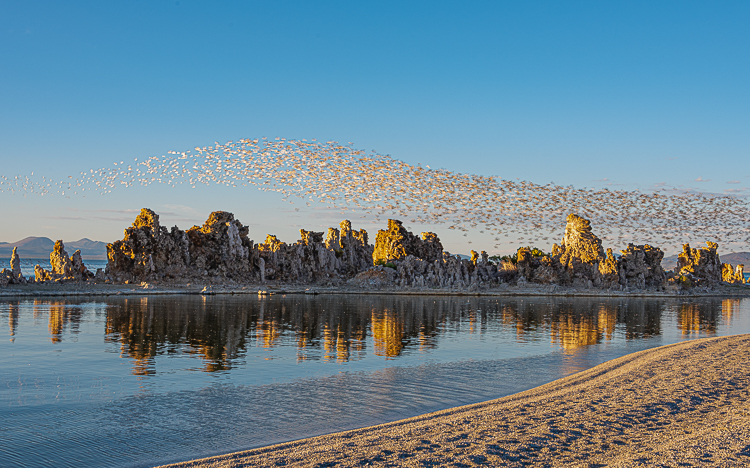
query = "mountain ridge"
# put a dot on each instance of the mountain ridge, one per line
(40, 247)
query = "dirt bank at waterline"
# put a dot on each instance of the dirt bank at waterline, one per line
(684, 404)
(73, 288)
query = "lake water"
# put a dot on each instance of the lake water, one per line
(139, 381)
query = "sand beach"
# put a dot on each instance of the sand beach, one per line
(684, 404)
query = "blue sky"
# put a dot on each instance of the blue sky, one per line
(627, 95)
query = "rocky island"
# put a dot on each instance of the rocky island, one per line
(219, 254)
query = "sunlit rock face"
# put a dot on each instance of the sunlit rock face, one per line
(579, 243)
(148, 251)
(580, 261)
(61, 265)
(580, 254)
(640, 267)
(396, 243)
(41, 275)
(422, 263)
(12, 276)
(64, 268)
(609, 272)
(733, 275)
(15, 266)
(701, 266)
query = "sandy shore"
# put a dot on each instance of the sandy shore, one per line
(684, 404)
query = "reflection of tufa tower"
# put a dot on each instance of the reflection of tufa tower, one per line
(693, 319)
(56, 322)
(12, 320)
(729, 309)
(574, 332)
(387, 332)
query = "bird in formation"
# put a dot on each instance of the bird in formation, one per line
(346, 178)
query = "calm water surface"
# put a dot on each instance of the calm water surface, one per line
(140, 381)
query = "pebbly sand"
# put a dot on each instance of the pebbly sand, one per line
(684, 404)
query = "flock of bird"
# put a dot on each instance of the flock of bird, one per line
(346, 178)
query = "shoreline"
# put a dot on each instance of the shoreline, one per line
(681, 403)
(208, 289)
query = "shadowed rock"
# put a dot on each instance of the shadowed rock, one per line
(340, 256)
(221, 247)
(640, 267)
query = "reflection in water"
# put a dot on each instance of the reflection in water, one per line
(61, 317)
(336, 328)
(574, 323)
(730, 308)
(692, 319)
(12, 320)
(221, 329)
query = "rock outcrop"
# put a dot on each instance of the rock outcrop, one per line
(640, 267)
(356, 252)
(579, 254)
(396, 243)
(15, 267)
(41, 275)
(12, 276)
(78, 269)
(220, 250)
(609, 272)
(422, 263)
(305, 261)
(342, 254)
(700, 267)
(733, 275)
(63, 266)
(580, 261)
(148, 251)
(60, 262)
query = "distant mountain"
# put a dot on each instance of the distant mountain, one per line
(734, 258)
(40, 247)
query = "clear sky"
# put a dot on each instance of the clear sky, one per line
(593, 94)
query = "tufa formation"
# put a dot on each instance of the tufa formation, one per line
(221, 252)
